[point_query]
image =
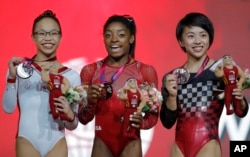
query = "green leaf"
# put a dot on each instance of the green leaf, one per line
(146, 108)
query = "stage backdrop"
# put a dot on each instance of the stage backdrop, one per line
(82, 22)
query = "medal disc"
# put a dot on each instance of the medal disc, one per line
(107, 91)
(182, 75)
(24, 70)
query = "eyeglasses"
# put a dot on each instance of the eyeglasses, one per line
(43, 34)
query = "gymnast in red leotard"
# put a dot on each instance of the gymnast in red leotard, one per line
(105, 78)
(194, 104)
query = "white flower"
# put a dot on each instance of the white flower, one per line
(76, 95)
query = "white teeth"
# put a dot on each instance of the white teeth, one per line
(197, 48)
(114, 47)
(48, 45)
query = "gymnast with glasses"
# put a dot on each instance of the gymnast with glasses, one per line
(43, 34)
(39, 133)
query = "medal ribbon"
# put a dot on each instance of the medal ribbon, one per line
(29, 61)
(26, 69)
(47, 60)
(32, 61)
(115, 75)
(204, 64)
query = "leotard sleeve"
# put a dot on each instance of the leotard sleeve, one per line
(86, 112)
(167, 116)
(9, 100)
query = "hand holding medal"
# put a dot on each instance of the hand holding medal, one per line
(98, 91)
(106, 91)
(182, 75)
(24, 69)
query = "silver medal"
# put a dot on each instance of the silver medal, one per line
(182, 75)
(24, 69)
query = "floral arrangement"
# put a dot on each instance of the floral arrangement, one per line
(76, 95)
(153, 97)
(246, 83)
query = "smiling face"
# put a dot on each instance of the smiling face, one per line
(47, 37)
(195, 41)
(117, 40)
